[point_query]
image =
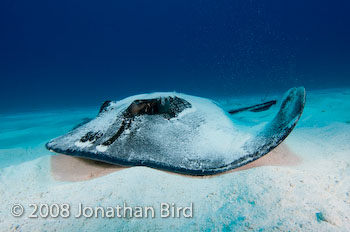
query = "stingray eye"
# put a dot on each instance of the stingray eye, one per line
(104, 106)
(147, 108)
(138, 102)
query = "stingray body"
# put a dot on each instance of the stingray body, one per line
(178, 133)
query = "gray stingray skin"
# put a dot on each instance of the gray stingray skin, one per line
(183, 137)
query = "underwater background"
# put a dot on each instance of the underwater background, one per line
(60, 60)
(63, 54)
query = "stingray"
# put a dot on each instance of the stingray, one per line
(179, 133)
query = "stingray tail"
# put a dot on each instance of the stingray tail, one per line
(255, 108)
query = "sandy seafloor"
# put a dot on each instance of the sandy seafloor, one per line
(313, 196)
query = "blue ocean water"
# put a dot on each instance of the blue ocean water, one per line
(59, 54)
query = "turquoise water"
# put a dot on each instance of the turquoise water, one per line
(23, 135)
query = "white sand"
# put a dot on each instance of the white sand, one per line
(270, 198)
(68, 168)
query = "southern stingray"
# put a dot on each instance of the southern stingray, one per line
(179, 133)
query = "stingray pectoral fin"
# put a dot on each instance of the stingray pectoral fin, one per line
(275, 131)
